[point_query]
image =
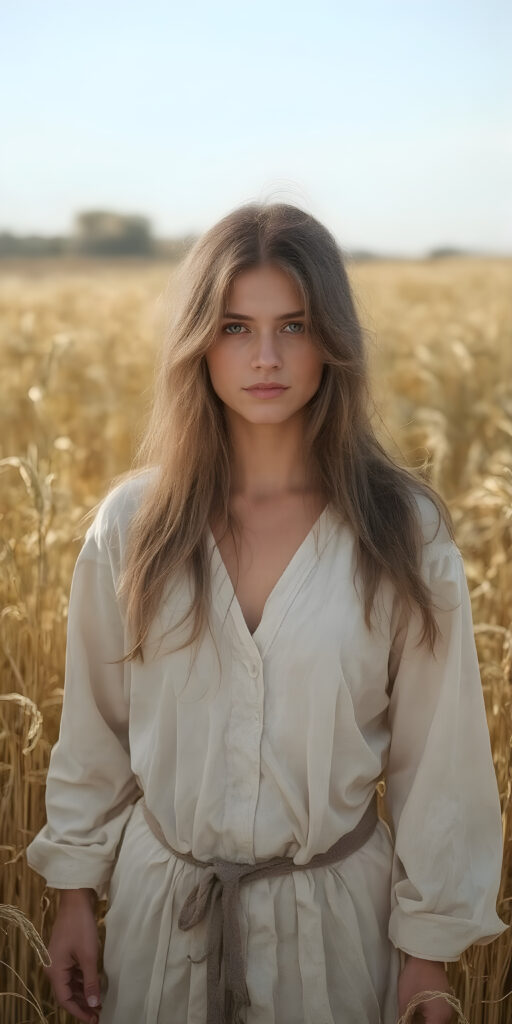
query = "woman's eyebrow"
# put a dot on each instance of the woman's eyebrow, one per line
(283, 316)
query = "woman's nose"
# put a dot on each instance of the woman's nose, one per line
(266, 349)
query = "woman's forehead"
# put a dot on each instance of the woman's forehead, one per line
(265, 284)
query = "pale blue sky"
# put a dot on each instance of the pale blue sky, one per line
(390, 120)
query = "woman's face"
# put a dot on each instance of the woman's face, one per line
(264, 337)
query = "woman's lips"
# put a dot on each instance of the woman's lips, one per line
(266, 392)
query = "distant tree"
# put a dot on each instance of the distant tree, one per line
(104, 233)
(174, 248)
(445, 251)
(31, 245)
(363, 254)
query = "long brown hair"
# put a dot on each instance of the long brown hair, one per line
(187, 440)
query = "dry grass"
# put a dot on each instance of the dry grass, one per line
(78, 349)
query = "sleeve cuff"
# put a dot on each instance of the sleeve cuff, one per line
(438, 937)
(64, 875)
(101, 888)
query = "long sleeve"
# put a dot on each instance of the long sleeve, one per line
(90, 788)
(441, 787)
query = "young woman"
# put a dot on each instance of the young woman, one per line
(267, 617)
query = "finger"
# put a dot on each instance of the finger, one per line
(91, 983)
(89, 1016)
(76, 989)
(71, 1001)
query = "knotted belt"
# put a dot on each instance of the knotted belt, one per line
(226, 988)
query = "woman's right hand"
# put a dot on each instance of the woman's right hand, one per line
(73, 948)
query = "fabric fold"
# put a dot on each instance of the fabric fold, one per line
(441, 784)
(90, 785)
(217, 892)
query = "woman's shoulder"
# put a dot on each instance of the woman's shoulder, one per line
(441, 558)
(113, 514)
(433, 526)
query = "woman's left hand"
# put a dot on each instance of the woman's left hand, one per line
(421, 976)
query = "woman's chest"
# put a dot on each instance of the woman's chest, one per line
(310, 687)
(267, 545)
(309, 646)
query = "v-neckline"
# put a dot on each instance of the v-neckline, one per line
(305, 548)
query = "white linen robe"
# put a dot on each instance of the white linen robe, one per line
(275, 751)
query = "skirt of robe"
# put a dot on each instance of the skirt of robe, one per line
(316, 941)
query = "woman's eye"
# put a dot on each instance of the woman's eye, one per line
(296, 324)
(228, 326)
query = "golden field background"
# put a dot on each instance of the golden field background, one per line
(77, 349)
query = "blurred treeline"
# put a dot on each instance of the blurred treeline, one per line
(106, 233)
(98, 233)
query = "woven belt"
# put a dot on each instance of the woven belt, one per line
(226, 988)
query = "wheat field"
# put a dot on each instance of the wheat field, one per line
(77, 345)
